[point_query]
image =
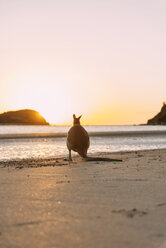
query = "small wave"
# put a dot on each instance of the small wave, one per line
(94, 134)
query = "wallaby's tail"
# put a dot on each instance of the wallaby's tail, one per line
(83, 154)
(102, 159)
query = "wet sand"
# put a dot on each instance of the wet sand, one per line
(50, 203)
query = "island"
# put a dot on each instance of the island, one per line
(160, 118)
(22, 117)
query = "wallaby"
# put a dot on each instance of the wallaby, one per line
(78, 141)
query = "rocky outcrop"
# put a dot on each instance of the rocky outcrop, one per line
(160, 118)
(22, 117)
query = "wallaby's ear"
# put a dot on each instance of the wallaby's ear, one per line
(74, 117)
(79, 117)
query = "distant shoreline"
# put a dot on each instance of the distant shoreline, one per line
(86, 125)
(24, 124)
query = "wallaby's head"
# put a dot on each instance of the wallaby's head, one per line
(76, 120)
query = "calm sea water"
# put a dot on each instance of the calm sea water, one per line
(111, 139)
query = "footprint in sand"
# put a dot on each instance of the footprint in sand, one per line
(130, 213)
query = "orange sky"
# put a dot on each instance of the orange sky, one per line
(103, 59)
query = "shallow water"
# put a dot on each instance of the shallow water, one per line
(56, 146)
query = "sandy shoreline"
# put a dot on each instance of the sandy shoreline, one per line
(51, 203)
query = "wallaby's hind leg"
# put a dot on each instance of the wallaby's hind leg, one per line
(70, 159)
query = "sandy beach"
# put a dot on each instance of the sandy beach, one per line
(53, 203)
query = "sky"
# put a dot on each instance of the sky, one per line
(104, 59)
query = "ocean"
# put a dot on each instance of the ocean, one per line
(22, 142)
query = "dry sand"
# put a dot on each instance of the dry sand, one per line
(53, 203)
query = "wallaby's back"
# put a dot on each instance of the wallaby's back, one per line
(78, 139)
